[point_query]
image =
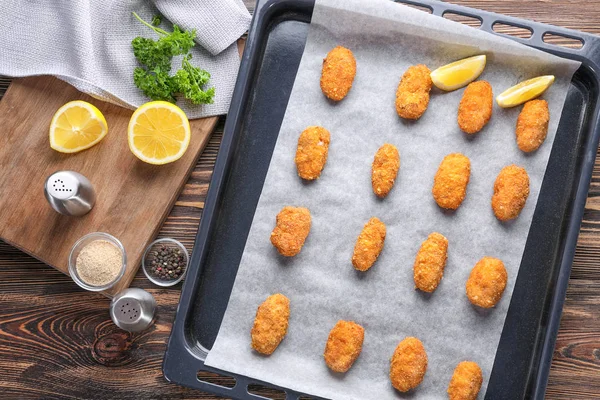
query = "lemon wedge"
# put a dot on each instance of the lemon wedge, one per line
(76, 126)
(459, 73)
(524, 91)
(158, 133)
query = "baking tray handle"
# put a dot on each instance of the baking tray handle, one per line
(586, 46)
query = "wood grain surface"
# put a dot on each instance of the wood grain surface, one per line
(57, 341)
(132, 197)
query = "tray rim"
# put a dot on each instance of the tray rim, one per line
(174, 367)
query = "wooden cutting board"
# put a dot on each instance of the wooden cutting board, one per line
(133, 198)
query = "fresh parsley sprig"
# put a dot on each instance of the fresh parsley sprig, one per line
(155, 56)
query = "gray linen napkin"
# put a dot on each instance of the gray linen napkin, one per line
(87, 43)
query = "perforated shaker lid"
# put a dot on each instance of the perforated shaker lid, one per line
(133, 309)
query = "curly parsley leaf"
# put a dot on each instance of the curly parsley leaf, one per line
(154, 84)
(155, 56)
(151, 54)
(189, 81)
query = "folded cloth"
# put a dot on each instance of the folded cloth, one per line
(87, 43)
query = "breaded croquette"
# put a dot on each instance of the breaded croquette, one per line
(270, 323)
(343, 345)
(412, 96)
(466, 381)
(511, 190)
(451, 180)
(408, 364)
(430, 262)
(532, 125)
(339, 69)
(369, 244)
(385, 169)
(291, 229)
(475, 107)
(486, 282)
(311, 155)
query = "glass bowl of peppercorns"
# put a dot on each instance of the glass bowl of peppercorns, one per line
(165, 262)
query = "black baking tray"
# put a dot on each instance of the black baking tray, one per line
(271, 57)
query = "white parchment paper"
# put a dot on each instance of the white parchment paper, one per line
(321, 283)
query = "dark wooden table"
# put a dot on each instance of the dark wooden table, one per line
(57, 341)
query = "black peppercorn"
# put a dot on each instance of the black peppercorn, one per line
(167, 263)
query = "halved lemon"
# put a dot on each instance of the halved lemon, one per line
(76, 126)
(524, 91)
(459, 73)
(158, 132)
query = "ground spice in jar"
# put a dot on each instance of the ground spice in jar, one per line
(99, 263)
(166, 263)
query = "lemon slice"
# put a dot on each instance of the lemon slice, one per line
(459, 73)
(158, 132)
(76, 126)
(524, 91)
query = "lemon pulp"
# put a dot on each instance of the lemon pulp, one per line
(459, 73)
(76, 126)
(524, 91)
(158, 133)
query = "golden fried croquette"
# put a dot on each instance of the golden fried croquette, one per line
(385, 169)
(532, 125)
(311, 155)
(511, 190)
(291, 230)
(475, 107)
(412, 96)
(450, 181)
(270, 323)
(430, 262)
(343, 345)
(369, 244)
(339, 69)
(466, 381)
(408, 364)
(486, 282)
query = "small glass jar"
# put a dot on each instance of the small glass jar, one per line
(148, 257)
(84, 241)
